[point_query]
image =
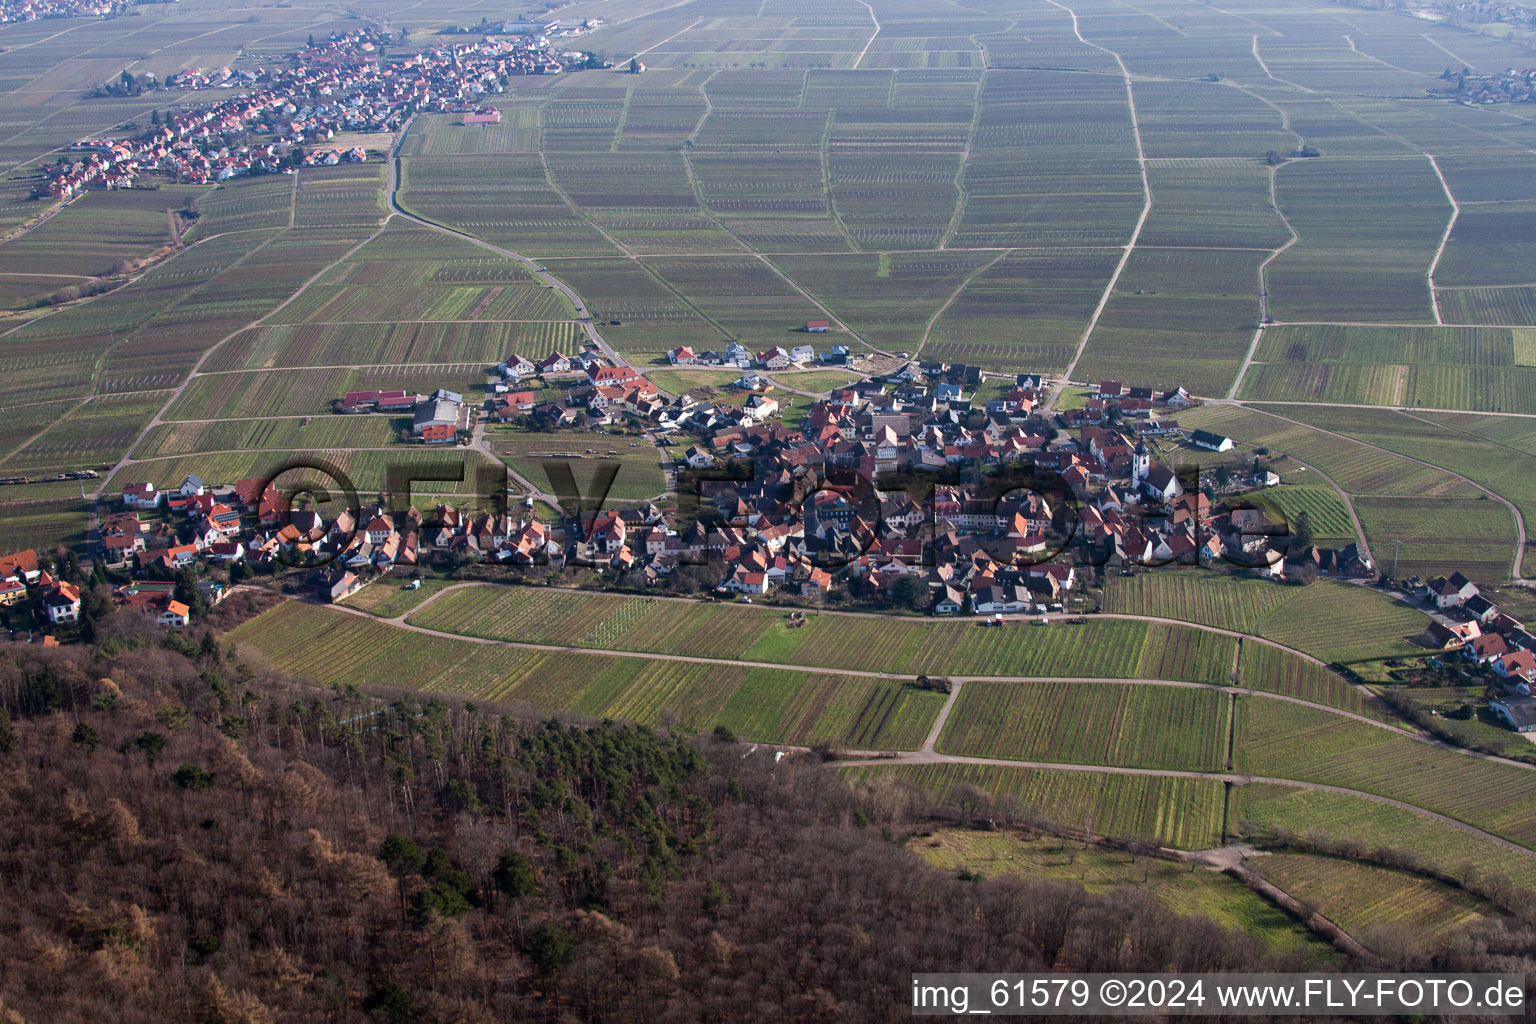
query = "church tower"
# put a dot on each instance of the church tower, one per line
(1141, 464)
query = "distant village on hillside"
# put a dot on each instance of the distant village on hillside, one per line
(339, 84)
(15, 11)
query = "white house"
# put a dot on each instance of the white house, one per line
(1161, 485)
(191, 487)
(761, 406)
(698, 458)
(516, 366)
(802, 354)
(1453, 592)
(1519, 712)
(175, 616)
(995, 599)
(949, 393)
(774, 359)
(63, 603)
(1209, 441)
(141, 496)
(744, 582)
(951, 601)
(555, 362)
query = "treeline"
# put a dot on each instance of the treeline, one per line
(91, 286)
(193, 838)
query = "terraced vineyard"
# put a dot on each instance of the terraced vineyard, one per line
(1332, 621)
(758, 704)
(1262, 667)
(243, 435)
(1123, 725)
(1107, 648)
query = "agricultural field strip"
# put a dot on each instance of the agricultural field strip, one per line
(1445, 237)
(1146, 207)
(708, 212)
(1434, 264)
(401, 621)
(1274, 202)
(157, 419)
(1520, 526)
(106, 353)
(392, 196)
(959, 290)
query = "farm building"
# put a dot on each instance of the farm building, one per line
(1519, 712)
(443, 409)
(817, 326)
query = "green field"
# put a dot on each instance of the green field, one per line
(1474, 368)
(1355, 467)
(1091, 723)
(1209, 894)
(1263, 667)
(231, 435)
(389, 596)
(488, 342)
(770, 705)
(1443, 535)
(681, 381)
(43, 525)
(1440, 519)
(93, 435)
(1496, 451)
(312, 392)
(529, 454)
(366, 469)
(815, 381)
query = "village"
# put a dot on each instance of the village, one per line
(1509, 86)
(15, 11)
(340, 84)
